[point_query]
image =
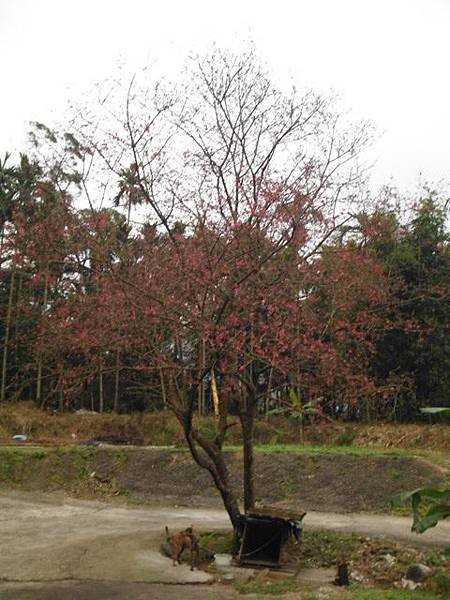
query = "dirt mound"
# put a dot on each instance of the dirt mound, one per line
(328, 483)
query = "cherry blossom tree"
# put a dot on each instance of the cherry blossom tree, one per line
(245, 183)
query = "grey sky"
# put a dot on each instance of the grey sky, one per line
(389, 60)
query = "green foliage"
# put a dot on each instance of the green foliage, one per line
(438, 506)
(296, 410)
(218, 542)
(268, 588)
(322, 548)
(417, 259)
(329, 450)
(436, 410)
(16, 184)
(345, 438)
(19, 464)
(440, 584)
(301, 411)
(429, 505)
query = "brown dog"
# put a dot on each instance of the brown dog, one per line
(180, 541)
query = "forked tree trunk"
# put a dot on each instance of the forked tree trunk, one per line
(220, 475)
(230, 503)
(207, 454)
(6, 339)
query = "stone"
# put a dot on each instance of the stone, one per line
(418, 573)
(389, 559)
(409, 585)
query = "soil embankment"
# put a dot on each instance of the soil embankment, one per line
(339, 483)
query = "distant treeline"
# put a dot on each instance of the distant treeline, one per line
(100, 314)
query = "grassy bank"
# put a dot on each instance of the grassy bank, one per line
(320, 479)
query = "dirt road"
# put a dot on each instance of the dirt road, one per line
(48, 541)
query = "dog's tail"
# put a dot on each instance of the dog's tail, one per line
(167, 534)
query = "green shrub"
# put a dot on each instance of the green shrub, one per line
(440, 584)
(345, 438)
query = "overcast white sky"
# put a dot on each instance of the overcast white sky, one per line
(389, 59)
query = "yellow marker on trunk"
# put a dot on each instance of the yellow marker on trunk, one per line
(215, 395)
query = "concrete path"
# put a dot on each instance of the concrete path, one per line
(381, 526)
(51, 539)
(45, 538)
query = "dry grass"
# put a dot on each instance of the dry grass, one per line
(162, 429)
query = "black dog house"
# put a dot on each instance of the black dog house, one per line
(262, 535)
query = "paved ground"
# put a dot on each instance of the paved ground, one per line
(388, 526)
(52, 547)
(75, 590)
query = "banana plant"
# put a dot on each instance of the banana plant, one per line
(436, 410)
(437, 502)
(298, 411)
(429, 505)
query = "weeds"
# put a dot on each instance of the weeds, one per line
(218, 542)
(345, 438)
(327, 450)
(440, 584)
(162, 429)
(321, 548)
(358, 593)
(268, 588)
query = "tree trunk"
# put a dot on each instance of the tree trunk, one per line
(219, 472)
(269, 388)
(163, 388)
(302, 417)
(17, 320)
(207, 454)
(367, 407)
(116, 383)
(231, 505)
(6, 340)
(247, 418)
(201, 387)
(100, 387)
(39, 354)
